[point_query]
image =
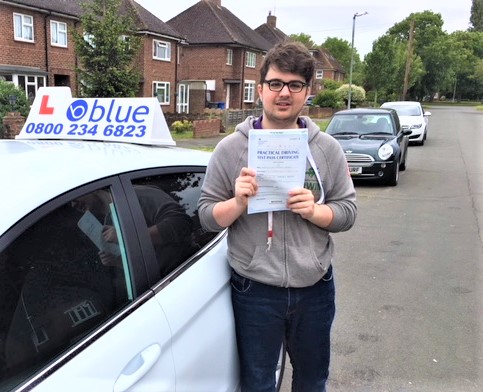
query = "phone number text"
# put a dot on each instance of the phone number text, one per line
(134, 131)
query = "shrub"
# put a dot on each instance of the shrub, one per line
(8, 89)
(358, 94)
(328, 99)
(182, 126)
(330, 84)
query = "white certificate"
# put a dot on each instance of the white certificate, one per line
(279, 158)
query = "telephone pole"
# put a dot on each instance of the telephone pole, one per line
(409, 60)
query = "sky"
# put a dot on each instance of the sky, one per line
(322, 19)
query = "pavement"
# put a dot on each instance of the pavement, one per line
(201, 143)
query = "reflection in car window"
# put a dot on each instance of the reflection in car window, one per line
(169, 205)
(60, 279)
(360, 124)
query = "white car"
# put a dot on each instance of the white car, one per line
(107, 280)
(412, 117)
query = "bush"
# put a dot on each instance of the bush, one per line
(182, 126)
(358, 94)
(328, 99)
(21, 105)
(8, 89)
(330, 84)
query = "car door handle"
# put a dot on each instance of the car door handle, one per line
(137, 368)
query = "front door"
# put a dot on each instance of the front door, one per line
(183, 98)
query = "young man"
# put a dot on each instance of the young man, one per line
(284, 292)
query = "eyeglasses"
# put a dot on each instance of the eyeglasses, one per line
(294, 86)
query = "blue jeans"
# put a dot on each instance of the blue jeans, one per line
(266, 316)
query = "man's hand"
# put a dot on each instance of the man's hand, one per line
(245, 186)
(109, 260)
(109, 234)
(301, 201)
(226, 212)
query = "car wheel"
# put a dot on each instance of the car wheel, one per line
(403, 162)
(280, 368)
(393, 176)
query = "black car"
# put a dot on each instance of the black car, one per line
(374, 144)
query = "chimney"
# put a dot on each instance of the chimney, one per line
(272, 20)
(215, 2)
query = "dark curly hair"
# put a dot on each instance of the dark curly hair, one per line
(289, 56)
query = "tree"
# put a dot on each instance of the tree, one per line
(381, 66)
(341, 50)
(107, 48)
(476, 17)
(7, 91)
(431, 46)
(306, 39)
(465, 78)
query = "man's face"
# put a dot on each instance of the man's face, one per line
(281, 109)
(90, 202)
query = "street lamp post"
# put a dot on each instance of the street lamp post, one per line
(352, 56)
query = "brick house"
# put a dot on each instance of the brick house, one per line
(205, 56)
(37, 49)
(326, 66)
(271, 32)
(220, 65)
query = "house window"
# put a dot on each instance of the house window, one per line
(161, 91)
(30, 84)
(249, 91)
(229, 57)
(24, 27)
(251, 60)
(161, 50)
(58, 33)
(319, 74)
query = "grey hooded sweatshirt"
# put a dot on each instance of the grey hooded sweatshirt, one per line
(301, 252)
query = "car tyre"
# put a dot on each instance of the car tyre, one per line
(394, 175)
(403, 162)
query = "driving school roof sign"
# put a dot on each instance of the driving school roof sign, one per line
(56, 115)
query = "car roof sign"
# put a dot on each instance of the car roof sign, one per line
(55, 114)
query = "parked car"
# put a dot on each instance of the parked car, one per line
(412, 117)
(374, 144)
(108, 282)
(310, 100)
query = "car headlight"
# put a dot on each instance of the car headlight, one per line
(416, 126)
(385, 152)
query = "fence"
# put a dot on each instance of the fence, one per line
(231, 118)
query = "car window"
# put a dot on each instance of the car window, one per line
(169, 205)
(407, 110)
(360, 124)
(61, 278)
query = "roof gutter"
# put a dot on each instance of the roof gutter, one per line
(41, 10)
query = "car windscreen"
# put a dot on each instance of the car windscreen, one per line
(360, 124)
(409, 110)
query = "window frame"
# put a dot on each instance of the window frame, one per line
(58, 33)
(166, 96)
(139, 222)
(251, 60)
(249, 91)
(229, 56)
(167, 48)
(23, 25)
(319, 74)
